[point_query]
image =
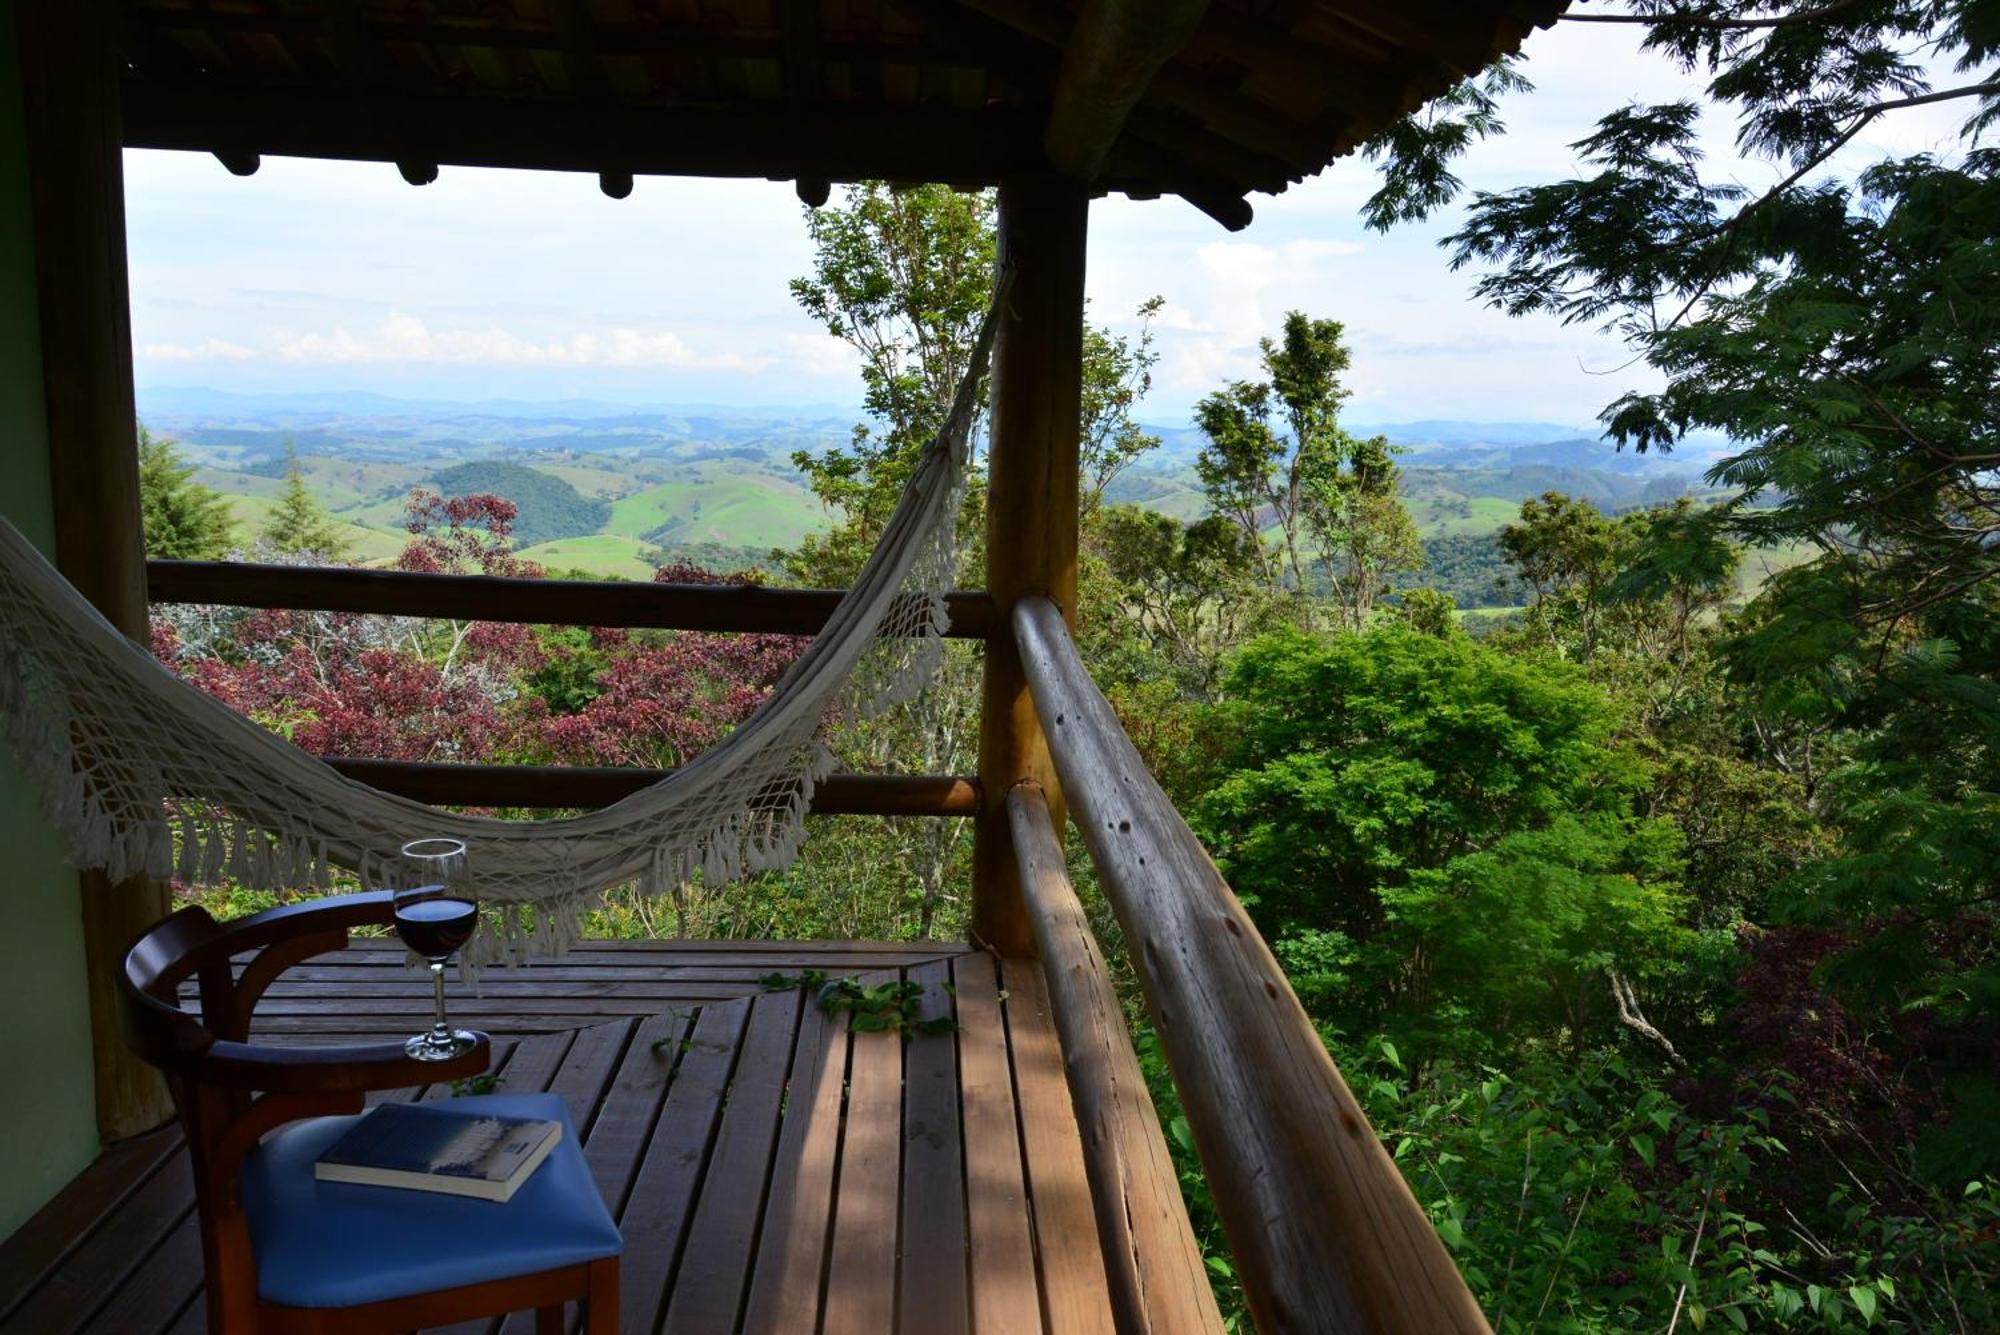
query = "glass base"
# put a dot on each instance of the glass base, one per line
(426, 1047)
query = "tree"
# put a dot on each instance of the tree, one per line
(183, 520)
(1567, 553)
(1361, 528)
(1184, 587)
(1309, 480)
(299, 524)
(1842, 328)
(1117, 373)
(1433, 823)
(902, 275)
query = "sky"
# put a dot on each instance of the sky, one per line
(315, 276)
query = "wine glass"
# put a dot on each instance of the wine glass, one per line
(436, 915)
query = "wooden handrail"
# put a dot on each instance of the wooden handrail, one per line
(555, 602)
(597, 786)
(1158, 1282)
(1326, 1234)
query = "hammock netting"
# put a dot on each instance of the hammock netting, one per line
(145, 774)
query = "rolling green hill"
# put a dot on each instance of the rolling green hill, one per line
(550, 508)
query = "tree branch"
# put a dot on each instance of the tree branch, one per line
(1634, 1019)
(1709, 23)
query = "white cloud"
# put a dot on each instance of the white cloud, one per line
(208, 350)
(406, 339)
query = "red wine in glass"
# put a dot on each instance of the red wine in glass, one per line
(434, 928)
(436, 916)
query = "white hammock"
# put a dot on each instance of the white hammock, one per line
(127, 754)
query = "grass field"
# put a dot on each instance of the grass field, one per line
(1487, 514)
(598, 554)
(720, 503)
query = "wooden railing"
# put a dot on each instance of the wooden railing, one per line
(748, 609)
(630, 604)
(1325, 1232)
(1153, 1265)
(601, 785)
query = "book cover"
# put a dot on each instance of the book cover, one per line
(425, 1147)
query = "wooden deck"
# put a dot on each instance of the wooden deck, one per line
(771, 1172)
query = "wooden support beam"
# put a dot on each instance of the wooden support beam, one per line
(745, 608)
(1031, 513)
(1113, 51)
(1325, 1232)
(382, 126)
(69, 64)
(1153, 1266)
(558, 786)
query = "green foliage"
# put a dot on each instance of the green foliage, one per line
(894, 1006)
(549, 508)
(1436, 830)
(1582, 1197)
(299, 524)
(1470, 569)
(183, 520)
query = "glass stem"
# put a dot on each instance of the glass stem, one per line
(440, 1032)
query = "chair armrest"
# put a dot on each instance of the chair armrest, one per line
(351, 1068)
(370, 908)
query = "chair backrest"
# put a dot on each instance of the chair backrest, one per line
(230, 1092)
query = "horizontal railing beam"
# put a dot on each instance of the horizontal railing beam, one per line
(550, 786)
(1158, 1282)
(1325, 1232)
(747, 608)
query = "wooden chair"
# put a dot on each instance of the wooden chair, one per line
(286, 1253)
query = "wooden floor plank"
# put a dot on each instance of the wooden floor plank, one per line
(757, 1154)
(655, 1218)
(933, 1298)
(147, 1301)
(707, 1291)
(1075, 1295)
(861, 1264)
(1005, 1293)
(791, 1246)
(58, 1228)
(631, 1106)
(109, 1256)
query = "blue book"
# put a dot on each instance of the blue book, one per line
(434, 1147)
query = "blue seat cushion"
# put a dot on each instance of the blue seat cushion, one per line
(335, 1244)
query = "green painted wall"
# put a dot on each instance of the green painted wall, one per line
(48, 1115)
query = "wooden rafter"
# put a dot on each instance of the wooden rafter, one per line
(1205, 100)
(708, 140)
(1112, 54)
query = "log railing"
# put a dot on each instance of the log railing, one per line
(599, 786)
(1325, 1233)
(1153, 1266)
(735, 608)
(630, 604)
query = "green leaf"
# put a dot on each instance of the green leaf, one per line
(1389, 1054)
(1736, 1317)
(1644, 1146)
(1697, 1316)
(1864, 1302)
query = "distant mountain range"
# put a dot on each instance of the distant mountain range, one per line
(377, 426)
(607, 487)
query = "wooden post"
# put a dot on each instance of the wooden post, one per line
(1031, 515)
(69, 66)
